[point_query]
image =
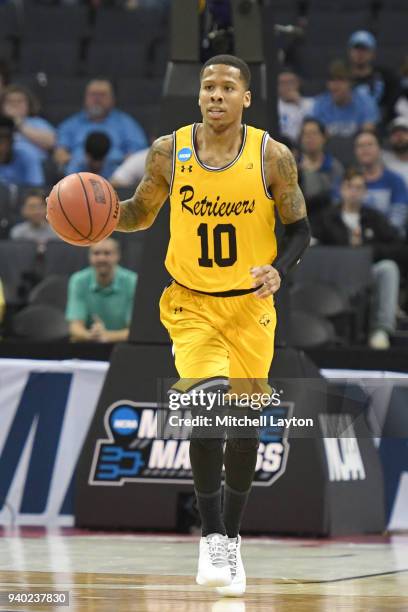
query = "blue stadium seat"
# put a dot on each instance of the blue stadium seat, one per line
(392, 28)
(60, 59)
(68, 90)
(347, 267)
(39, 322)
(314, 60)
(328, 301)
(328, 28)
(51, 291)
(286, 5)
(147, 115)
(8, 213)
(36, 83)
(393, 5)
(118, 26)
(391, 56)
(54, 23)
(120, 60)
(313, 86)
(339, 5)
(16, 257)
(308, 330)
(342, 148)
(64, 259)
(55, 113)
(8, 20)
(6, 50)
(319, 298)
(138, 91)
(132, 249)
(157, 57)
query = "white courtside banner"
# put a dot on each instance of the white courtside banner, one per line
(46, 408)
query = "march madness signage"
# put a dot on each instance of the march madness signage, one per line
(132, 452)
(45, 411)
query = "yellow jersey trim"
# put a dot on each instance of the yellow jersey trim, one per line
(173, 168)
(263, 148)
(194, 128)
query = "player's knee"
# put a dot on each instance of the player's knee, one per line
(244, 445)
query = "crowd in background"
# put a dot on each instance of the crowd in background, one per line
(350, 142)
(96, 139)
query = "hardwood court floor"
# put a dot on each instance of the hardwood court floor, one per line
(127, 573)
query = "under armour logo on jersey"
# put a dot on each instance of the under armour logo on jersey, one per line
(178, 309)
(186, 168)
(265, 320)
(249, 166)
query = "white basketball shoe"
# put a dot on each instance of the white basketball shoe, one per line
(213, 565)
(238, 583)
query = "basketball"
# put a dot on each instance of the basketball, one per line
(83, 208)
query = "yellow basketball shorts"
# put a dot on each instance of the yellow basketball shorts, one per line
(231, 337)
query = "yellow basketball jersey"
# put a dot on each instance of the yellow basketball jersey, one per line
(222, 220)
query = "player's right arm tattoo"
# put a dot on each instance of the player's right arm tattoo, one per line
(140, 211)
(282, 177)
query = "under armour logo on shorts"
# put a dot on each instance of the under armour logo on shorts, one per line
(265, 320)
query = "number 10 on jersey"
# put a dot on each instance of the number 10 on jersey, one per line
(222, 259)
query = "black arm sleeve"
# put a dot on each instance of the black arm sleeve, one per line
(294, 243)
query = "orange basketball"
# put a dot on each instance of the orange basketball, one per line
(83, 208)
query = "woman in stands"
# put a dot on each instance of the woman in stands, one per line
(33, 133)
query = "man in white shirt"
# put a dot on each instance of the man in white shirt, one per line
(292, 106)
(130, 172)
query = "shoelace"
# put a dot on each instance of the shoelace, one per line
(216, 550)
(232, 557)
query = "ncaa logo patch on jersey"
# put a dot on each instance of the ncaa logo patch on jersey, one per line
(184, 155)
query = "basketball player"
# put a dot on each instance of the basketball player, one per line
(224, 180)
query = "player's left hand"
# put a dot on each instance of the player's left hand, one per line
(268, 277)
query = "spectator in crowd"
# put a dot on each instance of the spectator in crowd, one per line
(131, 171)
(320, 172)
(35, 227)
(353, 224)
(96, 160)
(401, 103)
(378, 82)
(16, 166)
(397, 158)
(99, 114)
(341, 109)
(33, 134)
(386, 190)
(100, 297)
(292, 106)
